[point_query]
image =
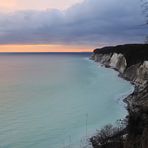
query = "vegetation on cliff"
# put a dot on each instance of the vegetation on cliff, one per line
(134, 53)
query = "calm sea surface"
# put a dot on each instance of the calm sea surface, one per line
(46, 99)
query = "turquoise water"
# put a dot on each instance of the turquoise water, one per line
(46, 99)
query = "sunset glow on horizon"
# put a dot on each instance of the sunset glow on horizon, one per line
(17, 5)
(43, 48)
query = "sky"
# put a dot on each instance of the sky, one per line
(69, 25)
(13, 5)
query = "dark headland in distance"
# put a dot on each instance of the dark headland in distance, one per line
(131, 60)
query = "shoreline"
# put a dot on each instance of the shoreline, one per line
(131, 63)
(119, 74)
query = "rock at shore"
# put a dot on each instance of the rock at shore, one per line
(131, 61)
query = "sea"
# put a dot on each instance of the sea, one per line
(56, 100)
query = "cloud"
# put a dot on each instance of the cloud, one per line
(92, 22)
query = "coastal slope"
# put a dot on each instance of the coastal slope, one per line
(131, 60)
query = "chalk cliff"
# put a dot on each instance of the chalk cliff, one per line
(131, 61)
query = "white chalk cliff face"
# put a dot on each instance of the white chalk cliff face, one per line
(142, 73)
(137, 73)
(102, 58)
(118, 62)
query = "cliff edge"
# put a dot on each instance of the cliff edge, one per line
(131, 60)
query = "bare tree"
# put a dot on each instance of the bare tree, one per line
(110, 135)
(146, 40)
(145, 12)
(145, 9)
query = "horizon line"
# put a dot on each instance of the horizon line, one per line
(52, 52)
